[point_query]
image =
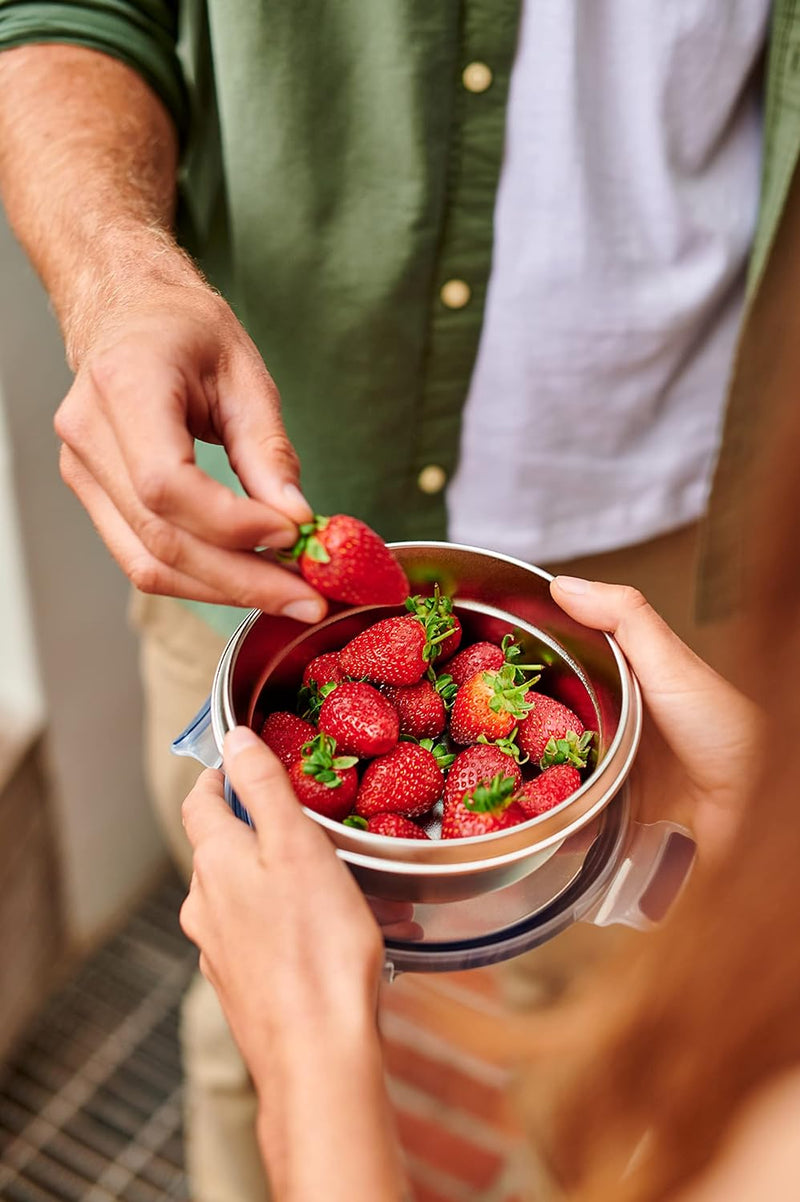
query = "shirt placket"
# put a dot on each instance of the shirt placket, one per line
(488, 34)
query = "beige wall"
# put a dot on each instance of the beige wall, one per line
(87, 688)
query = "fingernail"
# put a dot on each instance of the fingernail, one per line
(304, 611)
(297, 501)
(280, 539)
(572, 584)
(241, 738)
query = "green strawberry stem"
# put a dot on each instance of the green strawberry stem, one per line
(311, 697)
(491, 798)
(569, 750)
(512, 652)
(307, 544)
(356, 821)
(321, 762)
(508, 696)
(440, 752)
(507, 745)
(436, 617)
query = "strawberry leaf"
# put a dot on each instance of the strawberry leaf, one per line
(569, 750)
(491, 797)
(316, 551)
(507, 745)
(311, 697)
(356, 821)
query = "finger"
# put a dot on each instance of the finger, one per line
(406, 932)
(261, 783)
(660, 660)
(255, 438)
(205, 812)
(387, 912)
(679, 688)
(147, 400)
(240, 578)
(142, 568)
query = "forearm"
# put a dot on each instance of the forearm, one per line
(88, 159)
(325, 1127)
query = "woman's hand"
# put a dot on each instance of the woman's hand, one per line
(295, 954)
(698, 752)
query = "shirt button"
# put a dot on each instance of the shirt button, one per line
(432, 479)
(476, 77)
(455, 294)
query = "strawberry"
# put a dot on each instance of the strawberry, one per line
(406, 781)
(477, 765)
(324, 781)
(323, 669)
(394, 825)
(345, 560)
(395, 650)
(489, 704)
(488, 657)
(286, 734)
(489, 807)
(547, 719)
(480, 657)
(441, 608)
(360, 719)
(422, 707)
(553, 786)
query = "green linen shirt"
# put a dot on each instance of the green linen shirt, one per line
(337, 173)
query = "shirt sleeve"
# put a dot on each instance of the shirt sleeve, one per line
(141, 33)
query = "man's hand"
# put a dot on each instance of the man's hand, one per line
(88, 159)
(698, 755)
(170, 367)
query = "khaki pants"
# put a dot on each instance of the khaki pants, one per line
(178, 656)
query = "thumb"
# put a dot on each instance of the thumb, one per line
(658, 657)
(256, 441)
(260, 781)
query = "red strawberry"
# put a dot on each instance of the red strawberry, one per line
(549, 789)
(323, 669)
(488, 704)
(489, 807)
(488, 657)
(324, 781)
(406, 781)
(476, 766)
(395, 650)
(547, 719)
(344, 559)
(480, 657)
(421, 707)
(360, 719)
(394, 825)
(442, 608)
(286, 734)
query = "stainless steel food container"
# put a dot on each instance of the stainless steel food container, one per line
(493, 594)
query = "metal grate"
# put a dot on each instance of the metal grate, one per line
(90, 1104)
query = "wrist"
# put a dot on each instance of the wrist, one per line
(126, 267)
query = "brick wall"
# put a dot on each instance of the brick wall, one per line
(450, 1051)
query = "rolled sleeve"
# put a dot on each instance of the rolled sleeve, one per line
(142, 34)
